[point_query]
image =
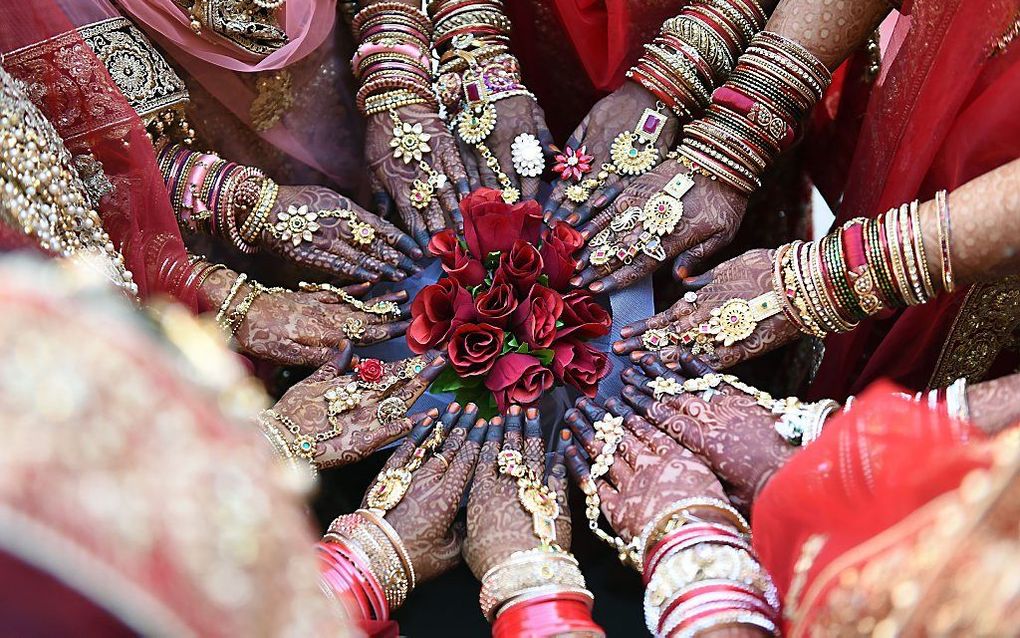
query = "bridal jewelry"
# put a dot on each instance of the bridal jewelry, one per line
(392, 484)
(390, 410)
(411, 142)
(353, 328)
(730, 323)
(526, 152)
(381, 308)
(662, 386)
(536, 499)
(295, 225)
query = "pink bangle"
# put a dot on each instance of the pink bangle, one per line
(736, 101)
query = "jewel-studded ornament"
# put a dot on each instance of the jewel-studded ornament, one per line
(410, 142)
(526, 153)
(389, 489)
(295, 225)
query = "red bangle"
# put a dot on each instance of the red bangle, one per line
(685, 533)
(544, 617)
(716, 588)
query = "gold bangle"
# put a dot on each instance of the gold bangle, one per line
(234, 288)
(395, 540)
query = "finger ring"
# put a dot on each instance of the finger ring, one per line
(354, 328)
(664, 386)
(442, 459)
(691, 297)
(390, 410)
(342, 398)
(657, 339)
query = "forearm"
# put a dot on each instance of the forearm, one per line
(995, 405)
(830, 29)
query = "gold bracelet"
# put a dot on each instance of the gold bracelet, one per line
(942, 217)
(524, 572)
(225, 305)
(395, 540)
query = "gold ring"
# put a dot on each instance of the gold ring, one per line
(439, 457)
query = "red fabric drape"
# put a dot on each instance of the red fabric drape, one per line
(941, 114)
(859, 478)
(71, 86)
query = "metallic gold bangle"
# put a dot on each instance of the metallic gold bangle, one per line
(523, 573)
(922, 257)
(225, 305)
(395, 540)
(942, 217)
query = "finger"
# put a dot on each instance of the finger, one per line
(653, 367)
(661, 320)
(690, 259)
(490, 449)
(397, 238)
(463, 465)
(434, 219)
(652, 438)
(415, 438)
(534, 447)
(450, 205)
(456, 176)
(382, 251)
(642, 266)
(333, 263)
(556, 458)
(470, 163)
(512, 432)
(692, 366)
(582, 431)
(639, 400)
(398, 296)
(414, 222)
(580, 471)
(355, 290)
(455, 437)
(598, 202)
(337, 365)
(636, 378)
(414, 388)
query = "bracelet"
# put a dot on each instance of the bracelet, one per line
(944, 229)
(225, 305)
(956, 400)
(529, 572)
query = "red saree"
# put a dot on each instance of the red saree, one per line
(940, 114)
(73, 88)
(857, 533)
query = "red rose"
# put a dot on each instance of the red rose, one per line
(496, 305)
(535, 318)
(436, 310)
(456, 261)
(474, 347)
(579, 365)
(558, 248)
(517, 378)
(520, 267)
(492, 225)
(583, 317)
(370, 370)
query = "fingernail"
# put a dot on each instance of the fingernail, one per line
(585, 234)
(618, 347)
(597, 286)
(532, 413)
(575, 281)
(564, 435)
(402, 295)
(626, 331)
(546, 217)
(573, 218)
(515, 410)
(433, 413)
(600, 201)
(496, 420)
(479, 423)
(636, 356)
(453, 407)
(681, 272)
(471, 407)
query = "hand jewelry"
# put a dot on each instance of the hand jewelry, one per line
(304, 445)
(730, 323)
(536, 499)
(527, 155)
(632, 153)
(573, 164)
(381, 308)
(662, 386)
(411, 142)
(295, 225)
(354, 328)
(391, 486)
(390, 410)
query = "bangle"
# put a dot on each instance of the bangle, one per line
(531, 572)
(253, 226)
(956, 400)
(394, 538)
(944, 229)
(225, 305)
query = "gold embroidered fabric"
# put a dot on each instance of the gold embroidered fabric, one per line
(984, 325)
(250, 24)
(139, 70)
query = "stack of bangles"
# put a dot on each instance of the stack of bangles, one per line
(365, 566)
(476, 71)
(754, 116)
(538, 592)
(393, 61)
(226, 199)
(695, 51)
(701, 575)
(230, 316)
(865, 268)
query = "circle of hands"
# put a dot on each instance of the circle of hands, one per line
(673, 447)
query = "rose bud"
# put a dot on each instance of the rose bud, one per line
(579, 365)
(517, 378)
(436, 310)
(474, 347)
(558, 248)
(534, 321)
(496, 305)
(492, 225)
(583, 317)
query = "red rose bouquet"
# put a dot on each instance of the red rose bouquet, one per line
(504, 313)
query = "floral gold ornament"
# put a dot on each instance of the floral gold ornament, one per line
(362, 233)
(663, 386)
(410, 143)
(303, 444)
(389, 309)
(730, 323)
(390, 410)
(354, 328)
(572, 164)
(537, 499)
(527, 155)
(657, 339)
(391, 486)
(296, 224)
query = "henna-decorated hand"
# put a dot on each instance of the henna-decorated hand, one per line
(712, 212)
(357, 432)
(392, 177)
(744, 277)
(650, 470)
(617, 113)
(498, 525)
(304, 328)
(514, 116)
(424, 517)
(309, 226)
(734, 435)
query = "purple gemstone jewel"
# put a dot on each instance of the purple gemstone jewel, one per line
(651, 124)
